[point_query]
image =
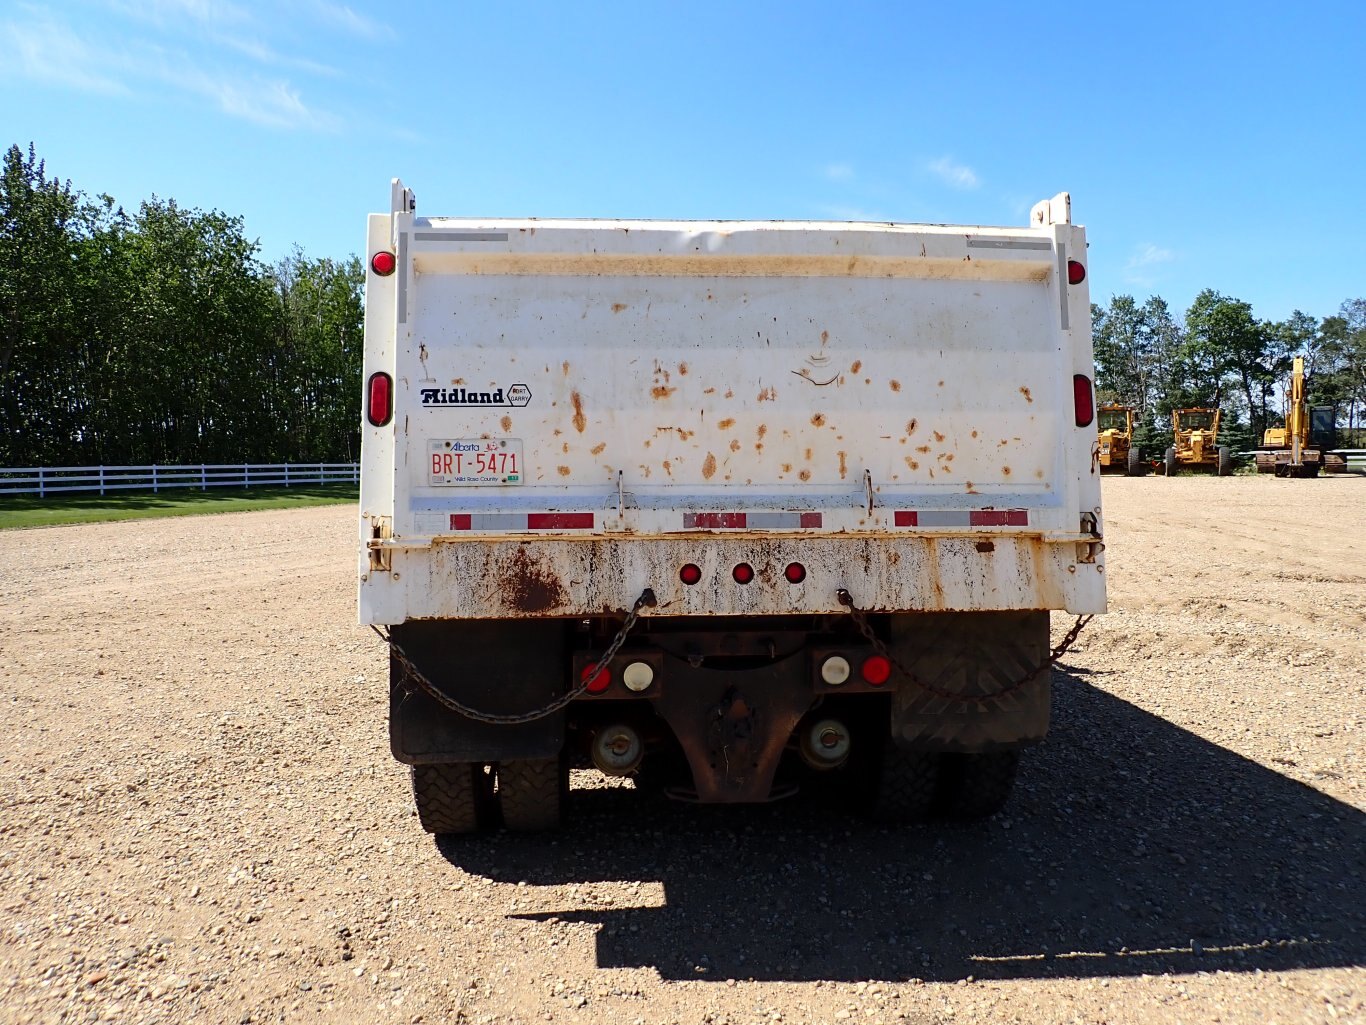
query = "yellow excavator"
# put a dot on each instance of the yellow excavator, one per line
(1297, 449)
(1116, 450)
(1195, 434)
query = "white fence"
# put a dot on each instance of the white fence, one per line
(47, 480)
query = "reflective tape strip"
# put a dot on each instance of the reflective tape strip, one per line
(521, 521)
(752, 521)
(983, 242)
(961, 518)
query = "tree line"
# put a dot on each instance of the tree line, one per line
(1221, 355)
(160, 336)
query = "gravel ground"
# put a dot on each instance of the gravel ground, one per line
(201, 820)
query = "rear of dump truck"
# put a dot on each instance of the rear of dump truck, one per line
(730, 508)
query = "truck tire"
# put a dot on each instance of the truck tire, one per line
(452, 798)
(532, 794)
(1225, 463)
(1135, 467)
(975, 786)
(904, 788)
(1169, 462)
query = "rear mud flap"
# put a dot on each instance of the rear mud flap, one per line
(976, 654)
(498, 666)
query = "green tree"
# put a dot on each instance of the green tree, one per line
(1223, 338)
(42, 223)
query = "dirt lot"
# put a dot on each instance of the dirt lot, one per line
(200, 820)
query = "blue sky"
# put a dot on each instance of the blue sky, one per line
(1204, 144)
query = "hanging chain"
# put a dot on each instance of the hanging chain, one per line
(860, 619)
(411, 675)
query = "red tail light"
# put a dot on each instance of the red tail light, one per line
(379, 393)
(1076, 272)
(690, 574)
(383, 263)
(795, 572)
(876, 670)
(601, 682)
(1083, 399)
(743, 572)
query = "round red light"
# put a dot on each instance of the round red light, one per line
(1076, 272)
(690, 574)
(876, 670)
(743, 572)
(601, 682)
(795, 572)
(383, 263)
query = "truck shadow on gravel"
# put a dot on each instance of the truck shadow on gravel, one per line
(1131, 846)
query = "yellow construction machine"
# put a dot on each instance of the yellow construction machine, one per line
(1297, 449)
(1196, 436)
(1116, 450)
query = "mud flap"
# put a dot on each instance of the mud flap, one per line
(973, 653)
(500, 666)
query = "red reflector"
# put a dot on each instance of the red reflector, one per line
(876, 670)
(383, 263)
(559, 521)
(743, 572)
(601, 682)
(379, 407)
(1084, 400)
(715, 521)
(1076, 272)
(795, 572)
(690, 574)
(999, 518)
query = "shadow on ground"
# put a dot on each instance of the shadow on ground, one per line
(1131, 846)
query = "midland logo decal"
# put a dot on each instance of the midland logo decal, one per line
(515, 395)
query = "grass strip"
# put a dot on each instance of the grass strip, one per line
(32, 511)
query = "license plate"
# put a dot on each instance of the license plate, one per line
(462, 462)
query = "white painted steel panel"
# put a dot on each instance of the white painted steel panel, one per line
(652, 370)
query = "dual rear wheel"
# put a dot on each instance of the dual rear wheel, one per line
(908, 786)
(461, 798)
(912, 786)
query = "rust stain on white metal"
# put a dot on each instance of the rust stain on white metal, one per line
(580, 421)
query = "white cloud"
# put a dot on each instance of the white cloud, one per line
(839, 172)
(1143, 263)
(41, 47)
(48, 51)
(959, 176)
(343, 17)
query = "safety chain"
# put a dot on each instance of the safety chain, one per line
(861, 621)
(412, 674)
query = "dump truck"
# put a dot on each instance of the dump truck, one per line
(731, 509)
(1115, 448)
(1299, 448)
(1195, 435)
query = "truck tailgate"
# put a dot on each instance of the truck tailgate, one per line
(740, 391)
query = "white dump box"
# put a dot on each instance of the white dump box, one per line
(562, 413)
